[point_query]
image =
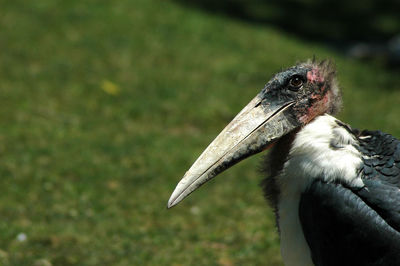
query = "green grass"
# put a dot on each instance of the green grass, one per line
(105, 104)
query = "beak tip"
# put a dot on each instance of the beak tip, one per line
(180, 192)
(170, 204)
(173, 200)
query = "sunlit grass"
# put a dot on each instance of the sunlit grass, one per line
(104, 106)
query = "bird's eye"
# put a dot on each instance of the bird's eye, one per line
(296, 82)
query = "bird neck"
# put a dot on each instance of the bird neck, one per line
(324, 149)
(321, 150)
(272, 166)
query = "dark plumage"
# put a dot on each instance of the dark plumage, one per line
(343, 229)
(361, 225)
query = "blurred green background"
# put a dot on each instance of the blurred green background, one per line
(105, 104)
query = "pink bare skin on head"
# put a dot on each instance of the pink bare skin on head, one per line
(322, 99)
(318, 108)
(314, 76)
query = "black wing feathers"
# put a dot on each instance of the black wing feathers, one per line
(381, 175)
(341, 229)
(384, 199)
(381, 157)
(352, 226)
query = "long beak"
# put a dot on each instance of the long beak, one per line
(259, 124)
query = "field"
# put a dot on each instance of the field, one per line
(105, 104)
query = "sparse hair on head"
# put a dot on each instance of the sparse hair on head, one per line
(327, 68)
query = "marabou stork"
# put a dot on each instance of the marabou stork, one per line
(335, 190)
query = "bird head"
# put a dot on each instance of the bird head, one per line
(310, 87)
(291, 99)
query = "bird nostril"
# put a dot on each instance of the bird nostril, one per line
(258, 104)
